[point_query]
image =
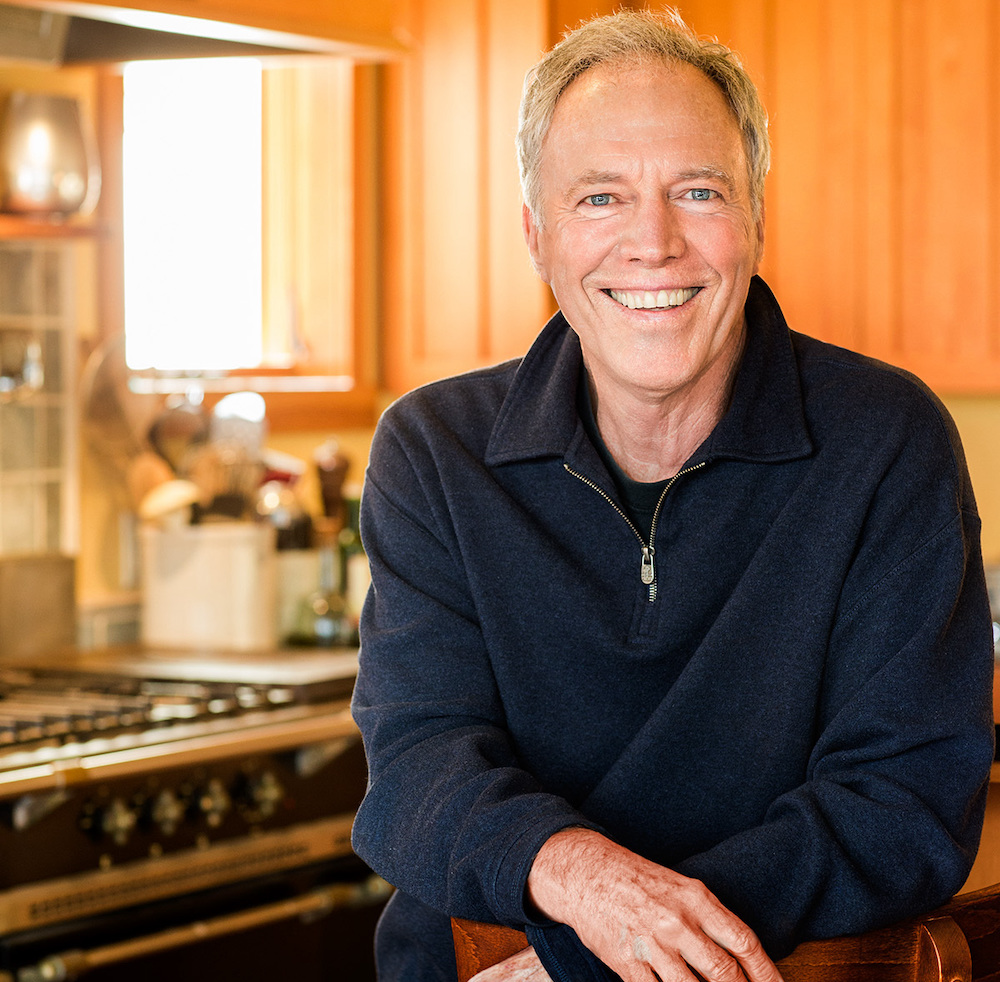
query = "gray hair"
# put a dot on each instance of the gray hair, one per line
(633, 35)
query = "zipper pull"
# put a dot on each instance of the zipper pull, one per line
(646, 571)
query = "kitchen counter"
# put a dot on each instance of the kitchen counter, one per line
(280, 666)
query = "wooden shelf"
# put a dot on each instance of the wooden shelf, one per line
(24, 227)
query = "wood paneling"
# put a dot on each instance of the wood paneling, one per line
(883, 206)
(459, 289)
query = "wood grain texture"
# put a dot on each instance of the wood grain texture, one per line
(883, 206)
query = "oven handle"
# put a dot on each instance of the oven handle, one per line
(313, 905)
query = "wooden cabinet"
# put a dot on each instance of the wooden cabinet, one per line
(459, 289)
(883, 206)
(38, 314)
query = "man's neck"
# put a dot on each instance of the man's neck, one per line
(652, 438)
(651, 446)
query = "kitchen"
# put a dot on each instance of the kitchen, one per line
(855, 89)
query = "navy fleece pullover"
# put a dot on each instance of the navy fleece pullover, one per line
(797, 713)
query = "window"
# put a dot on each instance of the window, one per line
(271, 183)
(192, 163)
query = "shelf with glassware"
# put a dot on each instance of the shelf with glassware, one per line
(38, 472)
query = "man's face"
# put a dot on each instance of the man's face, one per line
(646, 232)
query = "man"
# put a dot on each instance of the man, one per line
(678, 649)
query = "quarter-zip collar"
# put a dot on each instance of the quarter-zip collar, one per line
(765, 420)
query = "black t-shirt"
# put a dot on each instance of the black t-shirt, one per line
(638, 498)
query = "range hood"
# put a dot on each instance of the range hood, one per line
(59, 34)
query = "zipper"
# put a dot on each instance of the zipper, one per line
(647, 568)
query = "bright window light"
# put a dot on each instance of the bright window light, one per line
(192, 201)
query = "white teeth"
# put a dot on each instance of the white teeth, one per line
(648, 300)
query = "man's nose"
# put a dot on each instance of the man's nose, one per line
(654, 232)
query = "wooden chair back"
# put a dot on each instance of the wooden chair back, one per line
(959, 942)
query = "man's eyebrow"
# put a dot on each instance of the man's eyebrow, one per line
(590, 178)
(714, 172)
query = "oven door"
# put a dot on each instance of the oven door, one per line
(311, 924)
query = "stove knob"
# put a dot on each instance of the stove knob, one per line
(266, 793)
(213, 802)
(167, 811)
(118, 821)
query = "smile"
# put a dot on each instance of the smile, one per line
(648, 300)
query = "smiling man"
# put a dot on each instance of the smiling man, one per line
(648, 235)
(678, 650)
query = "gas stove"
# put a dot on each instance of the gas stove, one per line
(100, 711)
(131, 776)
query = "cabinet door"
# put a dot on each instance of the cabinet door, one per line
(883, 205)
(459, 289)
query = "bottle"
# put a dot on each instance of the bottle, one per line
(355, 577)
(324, 620)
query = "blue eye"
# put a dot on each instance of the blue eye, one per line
(598, 200)
(702, 194)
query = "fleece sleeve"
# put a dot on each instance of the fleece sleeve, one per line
(450, 816)
(888, 823)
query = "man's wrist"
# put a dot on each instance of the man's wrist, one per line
(556, 882)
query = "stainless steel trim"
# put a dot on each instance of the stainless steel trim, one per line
(315, 904)
(96, 892)
(272, 733)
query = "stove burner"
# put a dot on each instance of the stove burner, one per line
(53, 709)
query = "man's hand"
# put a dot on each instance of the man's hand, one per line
(522, 967)
(643, 921)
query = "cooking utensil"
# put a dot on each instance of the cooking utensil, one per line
(115, 419)
(227, 477)
(177, 430)
(169, 503)
(332, 466)
(146, 471)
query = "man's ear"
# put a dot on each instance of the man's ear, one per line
(530, 229)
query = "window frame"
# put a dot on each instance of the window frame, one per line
(307, 395)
